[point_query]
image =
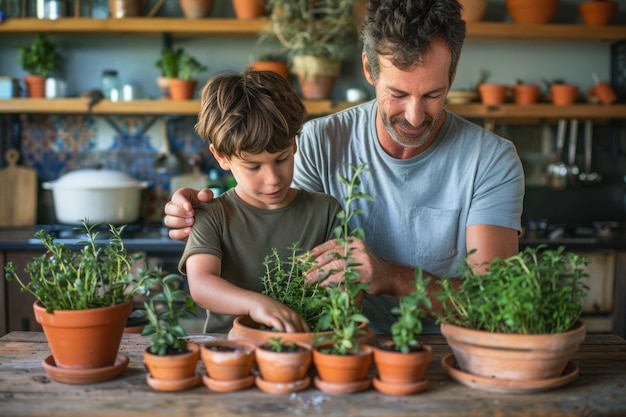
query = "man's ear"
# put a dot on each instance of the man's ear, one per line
(366, 69)
(221, 159)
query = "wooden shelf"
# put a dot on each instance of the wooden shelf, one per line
(315, 108)
(483, 31)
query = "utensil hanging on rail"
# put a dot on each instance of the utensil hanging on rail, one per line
(589, 177)
(557, 171)
(572, 169)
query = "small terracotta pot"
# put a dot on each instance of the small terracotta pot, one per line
(182, 89)
(172, 367)
(492, 94)
(604, 92)
(84, 339)
(249, 9)
(598, 13)
(563, 94)
(197, 9)
(278, 67)
(35, 86)
(402, 368)
(227, 360)
(473, 10)
(340, 369)
(525, 94)
(284, 366)
(532, 11)
(515, 357)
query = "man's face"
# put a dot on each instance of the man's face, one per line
(410, 103)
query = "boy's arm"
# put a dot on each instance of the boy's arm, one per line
(214, 293)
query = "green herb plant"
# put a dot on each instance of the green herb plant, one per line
(284, 281)
(342, 314)
(40, 57)
(275, 344)
(177, 63)
(164, 311)
(408, 326)
(537, 291)
(98, 275)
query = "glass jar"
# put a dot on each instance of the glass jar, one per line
(109, 83)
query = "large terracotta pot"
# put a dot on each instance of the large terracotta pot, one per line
(512, 356)
(532, 11)
(84, 339)
(316, 75)
(245, 329)
(173, 372)
(182, 89)
(598, 13)
(35, 86)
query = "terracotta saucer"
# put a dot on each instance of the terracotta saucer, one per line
(85, 376)
(508, 386)
(390, 388)
(282, 387)
(342, 388)
(227, 386)
(173, 384)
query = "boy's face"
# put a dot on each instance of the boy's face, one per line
(263, 180)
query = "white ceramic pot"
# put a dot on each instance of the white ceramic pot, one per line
(99, 195)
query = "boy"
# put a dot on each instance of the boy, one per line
(251, 121)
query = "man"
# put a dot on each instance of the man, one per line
(443, 187)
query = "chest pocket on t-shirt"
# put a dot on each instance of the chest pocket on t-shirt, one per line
(435, 232)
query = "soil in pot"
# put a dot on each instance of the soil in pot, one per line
(173, 372)
(228, 364)
(286, 371)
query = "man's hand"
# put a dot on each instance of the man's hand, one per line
(179, 213)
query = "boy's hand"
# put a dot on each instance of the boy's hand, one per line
(274, 314)
(179, 213)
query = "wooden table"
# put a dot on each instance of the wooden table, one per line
(26, 390)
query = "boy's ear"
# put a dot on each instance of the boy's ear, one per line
(220, 158)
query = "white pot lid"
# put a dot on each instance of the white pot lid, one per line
(95, 179)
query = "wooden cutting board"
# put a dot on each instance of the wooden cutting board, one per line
(18, 193)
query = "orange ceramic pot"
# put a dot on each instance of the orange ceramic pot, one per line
(492, 94)
(525, 93)
(278, 67)
(197, 9)
(227, 360)
(563, 94)
(84, 339)
(173, 367)
(339, 369)
(604, 92)
(285, 366)
(473, 10)
(250, 9)
(182, 89)
(598, 13)
(245, 329)
(532, 11)
(512, 356)
(401, 368)
(35, 86)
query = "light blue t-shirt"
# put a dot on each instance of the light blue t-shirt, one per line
(424, 204)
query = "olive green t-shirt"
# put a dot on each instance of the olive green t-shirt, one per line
(242, 236)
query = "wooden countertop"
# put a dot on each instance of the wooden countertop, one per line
(26, 390)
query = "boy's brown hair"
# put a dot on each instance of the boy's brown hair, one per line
(253, 112)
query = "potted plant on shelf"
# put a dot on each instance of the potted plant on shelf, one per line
(38, 59)
(315, 34)
(283, 366)
(402, 361)
(271, 62)
(83, 300)
(516, 327)
(598, 12)
(181, 70)
(341, 361)
(170, 360)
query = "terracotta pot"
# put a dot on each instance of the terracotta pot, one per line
(492, 94)
(604, 92)
(164, 86)
(35, 86)
(284, 366)
(227, 360)
(598, 13)
(278, 67)
(532, 11)
(250, 9)
(316, 76)
(170, 367)
(125, 8)
(473, 10)
(401, 368)
(84, 339)
(563, 94)
(340, 369)
(512, 356)
(182, 89)
(525, 93)
(245, 329)
(197, 9)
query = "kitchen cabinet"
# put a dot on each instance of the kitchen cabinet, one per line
(225, 27)
(17, 314)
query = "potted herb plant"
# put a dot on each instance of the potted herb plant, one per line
(402, 361)
(341, 361)
(83, 300)
(283, 366)
(315, 34)
(518, 322)
(171, 361)
(180, 69)
(228, 365)
(38, 59)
